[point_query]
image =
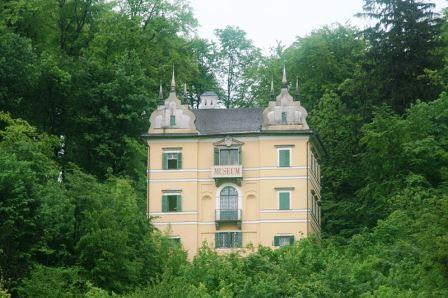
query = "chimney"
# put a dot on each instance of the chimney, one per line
(209, 100)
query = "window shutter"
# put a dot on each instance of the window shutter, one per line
(240, 156)
(284, 158)
(284, 201)
(291, 239)
(165, 161)
(276, 241)
(216, 156)
(179, 160)
(217, 240)
(179, 203)
(164, 203)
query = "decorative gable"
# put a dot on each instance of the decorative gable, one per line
(284, 113)
(172, 115)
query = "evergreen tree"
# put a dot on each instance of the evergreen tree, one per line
(403, 45)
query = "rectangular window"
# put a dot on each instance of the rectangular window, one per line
(227, 157)
(175, 240)
(284, 121)
(284, 200)
(228, 240)
(172, 120)
(283, 240)
(171, 203)
(172, 160)
(284, 157)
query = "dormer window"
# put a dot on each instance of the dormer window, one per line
(172, 120)
(284, 118)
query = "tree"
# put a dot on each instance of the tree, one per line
(403, 44)
(237, 60)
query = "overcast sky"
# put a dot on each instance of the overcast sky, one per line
(268, 21)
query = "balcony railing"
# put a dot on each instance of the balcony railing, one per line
(223, 215)
(230, 171)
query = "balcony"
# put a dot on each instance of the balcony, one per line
(229, 216)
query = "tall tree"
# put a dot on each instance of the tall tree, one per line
(403, 44)
(237, 59)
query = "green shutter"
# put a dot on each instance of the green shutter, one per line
(179, 160)
(217, 240)
(238, 239)
(172, 120)
(291, 240)
(284, 158)
(276, 241)
(165, 161)
(240, 155)
(178, 203)
(216, 156)
(284, 201)
(164, 203)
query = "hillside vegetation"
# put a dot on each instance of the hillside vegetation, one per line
(78, 81)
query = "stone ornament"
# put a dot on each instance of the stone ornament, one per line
(172, 114)
(284, 113)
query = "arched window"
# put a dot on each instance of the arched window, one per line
(228, 198)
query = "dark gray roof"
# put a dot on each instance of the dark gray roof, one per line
(222, 121)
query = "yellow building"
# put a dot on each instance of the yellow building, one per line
(233, 177)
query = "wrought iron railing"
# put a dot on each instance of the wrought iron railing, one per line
(228, 214)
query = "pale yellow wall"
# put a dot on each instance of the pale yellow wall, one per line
(261, 177)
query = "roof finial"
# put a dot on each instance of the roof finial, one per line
(173, 82)
(297, 89)
(272, 94)
(284, 81)
(185, 95)
(160, 100)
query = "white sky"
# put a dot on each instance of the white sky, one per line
(268, 21)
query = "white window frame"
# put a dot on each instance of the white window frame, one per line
(172, 151)
(278, 156)
(278, 200)
(171, 193)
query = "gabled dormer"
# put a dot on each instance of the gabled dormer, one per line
(171, 116)
(284, 113)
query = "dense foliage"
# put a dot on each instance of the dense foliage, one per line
(78, 81)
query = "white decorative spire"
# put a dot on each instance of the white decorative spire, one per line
(297, 89)
(173, 82)
(272, 94)
(160, 100)
(284, 81)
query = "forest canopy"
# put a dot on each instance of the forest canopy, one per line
(78, 81)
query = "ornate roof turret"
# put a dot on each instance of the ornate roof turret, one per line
(171, 114)
(284, 113)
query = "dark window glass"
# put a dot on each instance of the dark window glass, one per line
(228, 240)
(173, 160)
(229, 198)
(172, 203)
(284, 118)
(228, 157)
